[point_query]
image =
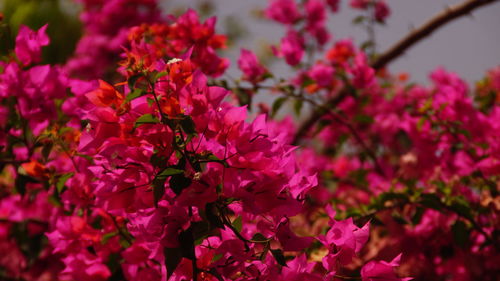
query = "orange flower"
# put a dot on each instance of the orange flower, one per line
(170, 106)
(36, 169)
(106, 95)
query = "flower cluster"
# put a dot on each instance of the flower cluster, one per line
(134, 162)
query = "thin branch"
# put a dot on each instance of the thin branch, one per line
(352, 130)
(318, 113)
(427, 28)
(399, 48)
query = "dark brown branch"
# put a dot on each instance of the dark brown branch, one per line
(317, 113)
(399, 48)
(327, 110)
(427, 28)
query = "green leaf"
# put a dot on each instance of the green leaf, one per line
(200, 230)
(169, 172)
(47, 148)
(61, 181)
(279, 256)
(158, 189)
(217, 257)
(187, 243)
(367, 44)
(259, 237)
(460, 233)
(419, 212)
(359, 19)
(364, 119)
(132, 80)
(432, 201)
(21, 182)
(135, 94)
(173, 257)
(105, 238)
(146, 119)
(158, 160)
(297, 106)
(188, 125)
(159, 75)
(399, 219)
(461, 207)
(237, 224)
(179, 182)
(213, 215)
(277, 104)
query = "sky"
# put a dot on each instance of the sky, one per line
(468, 46)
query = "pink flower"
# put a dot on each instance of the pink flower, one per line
(364, 75)
(248, 63)
(333, 4)
(316, 19)
(284, 11)
(322, 74)
(289, 240)
(29, 44)
(382, 11)
(382, 270)
(359, 4)
(292, 47)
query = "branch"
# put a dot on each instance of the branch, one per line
(327, 110)
(318, 113)
(427, 28)
(405, 43)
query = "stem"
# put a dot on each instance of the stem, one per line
(326, 110)
(445, 16)
(399, 48)
(317, 114)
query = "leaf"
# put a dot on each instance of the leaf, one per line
(21, 182)
(200, 230)
(277, 104)
(146, 119)
(188, 125)
(105, 238)
(158, 189)
(61, 181)
(297, 106)
(460, 233)
(169, 172)
(364, 119)
(399, 219)
(237, 224)
(132, 80)
(461, 207)
(431, 201)
(213, 215)
(259, 237)
(47, 148)
(179, 182)
(279, 256)
(158, 160)
(135, 94)
(417, 216)
(359, 19)
(173, 257)
(217, 257)
(159, 75)
(187, 243)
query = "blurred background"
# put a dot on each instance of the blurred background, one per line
(468, 46)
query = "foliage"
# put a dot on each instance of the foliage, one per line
(137, 160)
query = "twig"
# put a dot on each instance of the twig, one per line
(427, 28)
(352, 130)
(318, 113)
(399, 48)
